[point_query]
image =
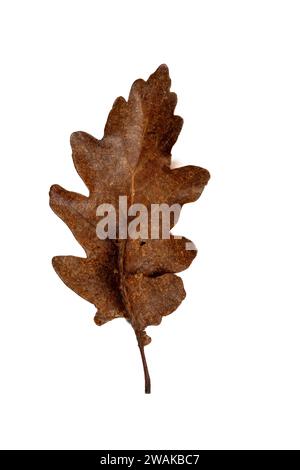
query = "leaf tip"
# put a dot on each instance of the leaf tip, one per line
(205, 175)
(53, 193)
(54, 189)
(75, 138)
(98, 319)
(162, 69)
(161, 74)
(56, 261)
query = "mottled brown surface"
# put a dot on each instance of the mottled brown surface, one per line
(129, 278)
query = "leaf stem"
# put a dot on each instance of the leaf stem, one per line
(145, 366)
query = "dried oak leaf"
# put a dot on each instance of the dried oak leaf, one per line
(129, 278)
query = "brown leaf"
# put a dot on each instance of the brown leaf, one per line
(131, 278)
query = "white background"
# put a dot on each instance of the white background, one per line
(225, 366)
